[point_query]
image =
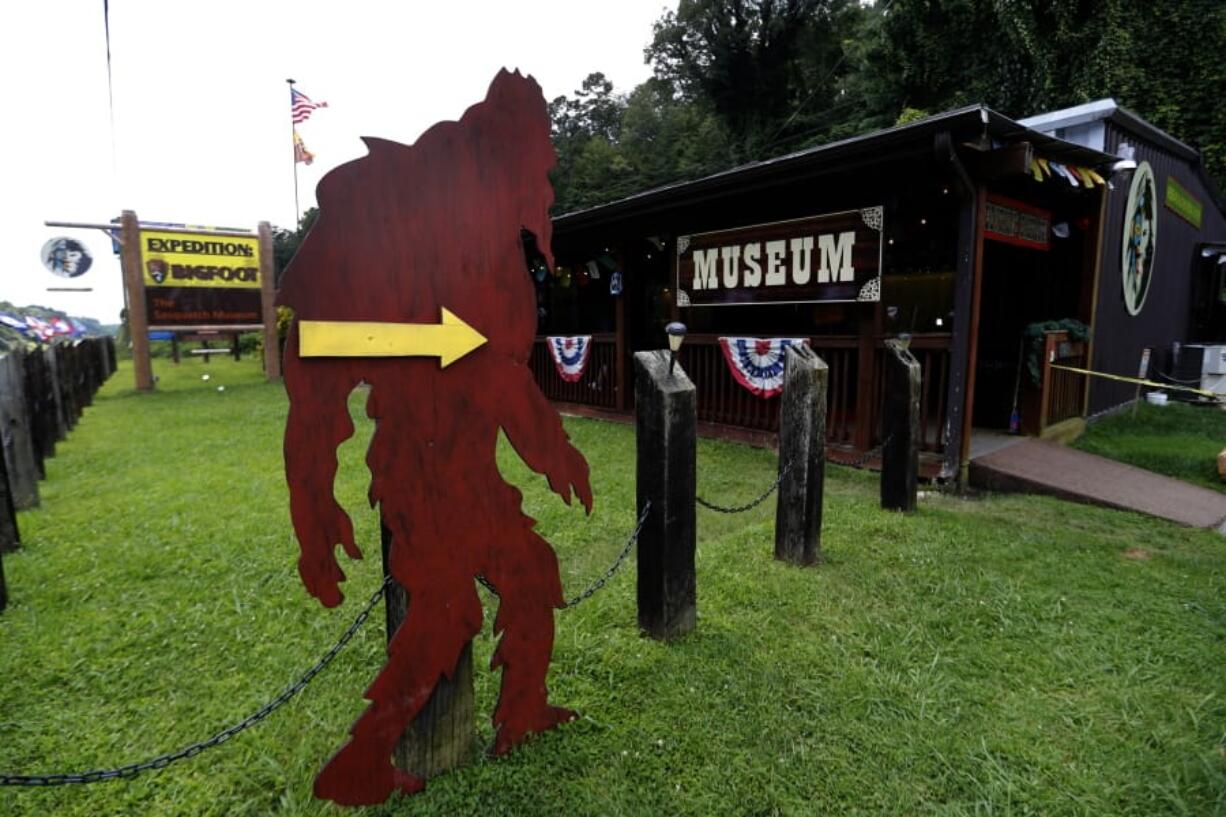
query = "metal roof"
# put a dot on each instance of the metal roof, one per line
(897, 142)
(1109, 110)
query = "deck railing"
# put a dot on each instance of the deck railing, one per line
(721, 400)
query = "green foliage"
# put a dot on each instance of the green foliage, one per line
(1033, 337)
(744, 80)
(285, 243)
(997, 656)
(1178, 440)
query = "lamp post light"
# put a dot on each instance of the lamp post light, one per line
(676, 335)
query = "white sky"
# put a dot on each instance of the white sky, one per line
(202, 130)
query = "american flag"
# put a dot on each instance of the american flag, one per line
(301, 106)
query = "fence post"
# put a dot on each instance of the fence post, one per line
(63, 370)
(666, 423)
(900, 455)
(443, 735)
(34, 410)
(18, 446)
(802, 458)
(112, 362)
(9, 538)
(57, 400)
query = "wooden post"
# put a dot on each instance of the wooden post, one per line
(900, 456)
(268, 297)
(802, 452)
(57, 399)
(443, 736)
(9, 538)
(134, 289)
(34, 409)
(666, 424)
(65, 384)
(18, 446)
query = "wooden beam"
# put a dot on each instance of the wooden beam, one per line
(134, 291)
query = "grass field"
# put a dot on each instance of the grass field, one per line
(999, 656)
(1178, 440)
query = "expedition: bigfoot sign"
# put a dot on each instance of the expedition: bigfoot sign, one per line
(834, 257)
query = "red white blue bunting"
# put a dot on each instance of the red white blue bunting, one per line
(570, 354)
(757, 363)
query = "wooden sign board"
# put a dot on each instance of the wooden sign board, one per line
(1017, 223)
(201, 279)
(827, 258)
(433, 307)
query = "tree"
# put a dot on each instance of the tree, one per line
(285, 243)
(756, 63)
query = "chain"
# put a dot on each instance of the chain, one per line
(751, 505)
(863, 459)
(162, 761)
(608, 574)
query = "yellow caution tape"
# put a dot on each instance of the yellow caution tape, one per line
(1121, 378)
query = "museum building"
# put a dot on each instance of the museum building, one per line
(1006, 252)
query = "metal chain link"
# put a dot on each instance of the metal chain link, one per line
(608, 574)
(863, 459)
(750, 505)
(162, 761)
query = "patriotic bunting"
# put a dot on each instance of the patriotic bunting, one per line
(757, 363)
(570, 354)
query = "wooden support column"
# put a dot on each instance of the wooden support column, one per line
(666, 423)
(802, 458)
(900, 455)
(18, 445)
(134, 289)
(866, 374)
(443, 736)
(268, 309)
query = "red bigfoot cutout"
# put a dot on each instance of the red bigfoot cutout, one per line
(403, 233)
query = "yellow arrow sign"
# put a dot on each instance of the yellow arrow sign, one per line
(449, 340)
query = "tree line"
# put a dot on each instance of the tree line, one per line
(735, 81)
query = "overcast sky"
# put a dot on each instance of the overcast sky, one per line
(201, 108)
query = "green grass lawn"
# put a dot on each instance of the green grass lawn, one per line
(1178, 440)
(999, 656)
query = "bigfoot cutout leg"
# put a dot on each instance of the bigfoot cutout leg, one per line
(526, 575)
(441, 620)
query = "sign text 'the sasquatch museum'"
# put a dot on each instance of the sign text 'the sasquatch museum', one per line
(834, 257)
(201, 279)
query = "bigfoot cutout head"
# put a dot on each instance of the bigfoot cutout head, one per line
(460, 195)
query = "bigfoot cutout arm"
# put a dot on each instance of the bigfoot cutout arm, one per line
(318, 423)
(535, 431)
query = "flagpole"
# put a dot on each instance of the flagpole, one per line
(293, 152)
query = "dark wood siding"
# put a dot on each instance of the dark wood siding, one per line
(1165, 318)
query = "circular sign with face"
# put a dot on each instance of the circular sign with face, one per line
(66, 257)
(1140, 238)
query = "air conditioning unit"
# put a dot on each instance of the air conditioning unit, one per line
(1206, 362)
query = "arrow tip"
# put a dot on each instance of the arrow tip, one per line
(461, 339)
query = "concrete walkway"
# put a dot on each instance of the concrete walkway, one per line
(1037, 467)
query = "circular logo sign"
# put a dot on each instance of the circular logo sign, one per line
(66, 257)
(1140, 238)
